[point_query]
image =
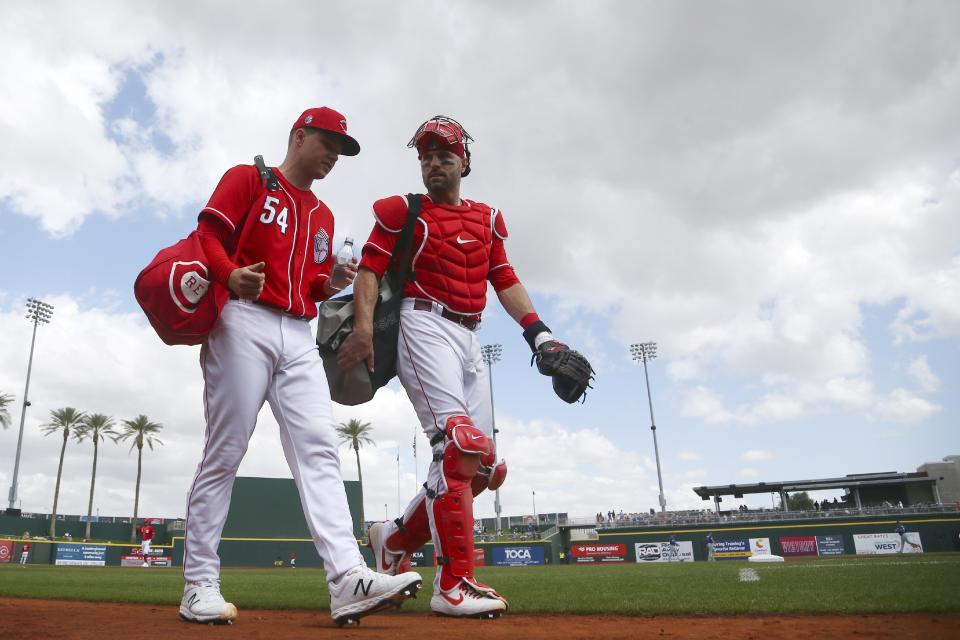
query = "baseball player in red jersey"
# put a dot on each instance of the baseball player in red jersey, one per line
(278, 267)
(458, 248)
(146, 539)
(24, 554)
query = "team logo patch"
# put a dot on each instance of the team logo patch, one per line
(343, 125)
(308, 120)
(188, 285)
(321, 247)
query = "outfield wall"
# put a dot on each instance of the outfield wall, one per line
(935, 532)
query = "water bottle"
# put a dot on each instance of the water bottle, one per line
(345, 254)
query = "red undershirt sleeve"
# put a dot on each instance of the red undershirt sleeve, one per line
(501, 274)
(213, 235)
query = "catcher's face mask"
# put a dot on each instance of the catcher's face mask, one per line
(441, 132)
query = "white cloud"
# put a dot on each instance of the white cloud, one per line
(745, 210)
(905, 407)
(689, 456)
(919, 368)
(756, 455)
(113, 363)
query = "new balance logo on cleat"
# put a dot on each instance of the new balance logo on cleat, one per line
(372, 592)
(361, 587)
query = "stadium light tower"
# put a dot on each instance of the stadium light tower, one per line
(491, 353)
(39, 312)
(644, 351)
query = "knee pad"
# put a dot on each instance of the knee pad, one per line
(489, 477)
(466, 446)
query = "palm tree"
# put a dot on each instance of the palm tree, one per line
(141, 431)
(96, 427)
(356, 433)
(5, 399)
(64, 421)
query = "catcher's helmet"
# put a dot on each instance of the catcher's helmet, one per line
(447, 132)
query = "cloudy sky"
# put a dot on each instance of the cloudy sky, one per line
(768, 190)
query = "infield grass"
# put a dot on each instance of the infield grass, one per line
(927, 583)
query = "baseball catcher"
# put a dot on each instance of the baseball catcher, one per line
(462, 249)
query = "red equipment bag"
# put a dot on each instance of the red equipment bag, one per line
(177, 294)
(175, 290)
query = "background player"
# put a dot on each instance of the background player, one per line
(459, 247)
(146, 538)
(24, 554)
(262, 348)
(673, 550)
(710, 557)
(902, 531)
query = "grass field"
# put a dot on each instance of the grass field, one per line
(926, 583)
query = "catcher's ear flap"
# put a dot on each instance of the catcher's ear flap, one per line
(466, 163)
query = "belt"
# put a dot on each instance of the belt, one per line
(467, 322)
(282, 312)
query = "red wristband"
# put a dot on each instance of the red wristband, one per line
(529, 319)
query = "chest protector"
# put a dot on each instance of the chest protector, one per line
(452, 256)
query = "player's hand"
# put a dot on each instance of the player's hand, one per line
(356, 348)
(247, 282)
(343, 275)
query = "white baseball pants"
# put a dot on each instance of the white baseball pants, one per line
(257, 354)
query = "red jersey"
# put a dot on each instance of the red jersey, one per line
(146, 532)
(25, 548)
(292, 232)
(457, 249)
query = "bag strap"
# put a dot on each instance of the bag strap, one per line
(266, 173)
(269, 178)
(399, 264)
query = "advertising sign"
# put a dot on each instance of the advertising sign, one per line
(731, 549)
(6, 550)
(759, 546)
(419, 558)
(479, 558)
(798, 545)
(883, 543)
(517, 556)
(592, 553)
(91, 555)
(830, 545)
(152, 560)
(660, 552)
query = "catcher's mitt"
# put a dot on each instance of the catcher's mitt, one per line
(571, 372)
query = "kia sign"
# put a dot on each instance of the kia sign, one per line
(884, 543)
(517, 556)
(420, 557)
(660, 552)
(593, 553)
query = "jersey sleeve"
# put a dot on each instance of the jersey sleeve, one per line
(501, 274)
(390, 215)
(231, 199)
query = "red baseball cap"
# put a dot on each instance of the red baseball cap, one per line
(326, 119)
